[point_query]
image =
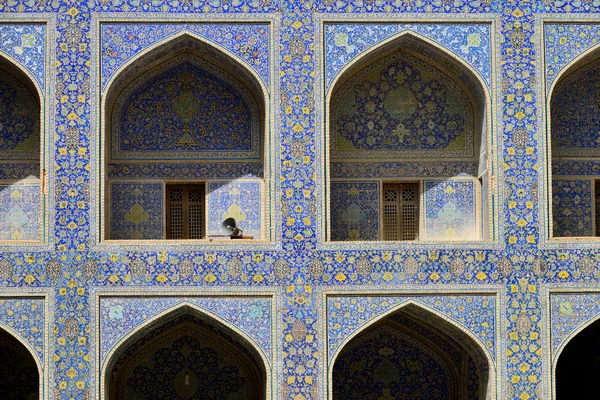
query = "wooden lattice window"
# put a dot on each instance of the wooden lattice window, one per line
(401, 211)
(185, 211)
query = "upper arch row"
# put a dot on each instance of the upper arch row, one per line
(186, 134)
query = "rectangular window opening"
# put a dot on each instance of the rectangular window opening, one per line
(400, 211)
(185, 211)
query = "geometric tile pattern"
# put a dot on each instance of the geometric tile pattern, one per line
(572, 207)
(240, 200)
(354, 210)
(450, 210)
(297, 264)
(20, 211)
(137, 210)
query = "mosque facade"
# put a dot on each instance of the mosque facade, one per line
(316, 199)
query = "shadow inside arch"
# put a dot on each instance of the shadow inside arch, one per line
(21, 369)
(187, 339)
(423, 327)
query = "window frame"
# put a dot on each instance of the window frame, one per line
(185, 218)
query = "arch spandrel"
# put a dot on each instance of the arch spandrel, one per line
(24, 45)
(345, 44)
(123, 318)
(248, 43)
(478, 350)
(347, 316)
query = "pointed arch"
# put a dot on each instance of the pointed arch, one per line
(387, 134)
(191, 40)
(571, 339)
(185, 309)
(570, 117)
(20, 79)
(413, 40)
(26, 350)
(476, 349)
(4, 56)
(163, 119)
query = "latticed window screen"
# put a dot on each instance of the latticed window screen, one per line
(185, 211)
(400, 211)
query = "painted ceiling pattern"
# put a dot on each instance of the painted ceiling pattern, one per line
(185, 108)
(19, 121)
(401, 106)
(70, 264)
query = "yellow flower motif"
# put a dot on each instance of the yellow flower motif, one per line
(433, 255)
(340, 277)
(29, 279)
(340, 257)
(481, 276)
(162, 278)
(210, 258)
(113, 279)
(563, 274)
(258, 257)
(388, 277)
(210, 278)
(434, 276)
(61, 341)
(258, 278)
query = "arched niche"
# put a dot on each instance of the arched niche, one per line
(411, 353)
(185, 355)
(184, 142)
(19, 371)
(21, 186)
(577, 366)
(408, 152)
(574, 122)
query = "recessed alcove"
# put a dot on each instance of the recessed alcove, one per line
(578, 366)
(185, 355)
(574, 115)
(408, 147)
(184, 134)
(21, 185)
(412, 354)
(19, 374)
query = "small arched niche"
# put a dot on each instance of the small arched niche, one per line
(20, 139)
(19, 373)
(185, 356)
(578, 366)
(574, 106)
(412, 354)
(184, 129)
(408, 147)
